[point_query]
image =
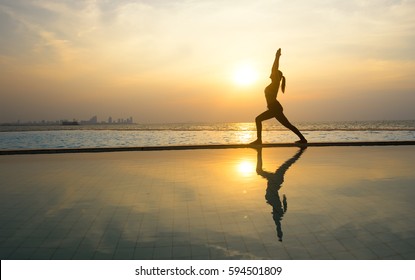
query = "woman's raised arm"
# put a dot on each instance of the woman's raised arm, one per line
(276, 64)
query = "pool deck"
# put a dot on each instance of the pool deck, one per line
(201, 147)
(337, 201)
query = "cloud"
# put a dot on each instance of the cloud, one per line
(174, 49)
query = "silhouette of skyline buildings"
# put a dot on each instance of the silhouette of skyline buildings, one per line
(110, 120)
(93, 120)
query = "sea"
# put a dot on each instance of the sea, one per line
(16, 137)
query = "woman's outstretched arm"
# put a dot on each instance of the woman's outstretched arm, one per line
(276, 64)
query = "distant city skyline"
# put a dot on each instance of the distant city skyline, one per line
(93, 120)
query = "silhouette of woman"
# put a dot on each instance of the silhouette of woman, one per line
(274, 184)
(275, 109)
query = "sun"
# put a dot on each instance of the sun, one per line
(245, 75)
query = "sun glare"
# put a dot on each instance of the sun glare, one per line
(245, 75)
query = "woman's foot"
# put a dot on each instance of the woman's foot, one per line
(301, 141)
(256, 142)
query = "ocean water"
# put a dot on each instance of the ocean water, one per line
(144, 135)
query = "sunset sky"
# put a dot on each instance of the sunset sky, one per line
(179, 60)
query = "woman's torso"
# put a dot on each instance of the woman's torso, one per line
(271, 92)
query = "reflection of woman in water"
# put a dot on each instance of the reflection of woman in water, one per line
(274, 184)
(275, 109)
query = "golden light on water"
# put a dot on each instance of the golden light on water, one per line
(245, 132)
(246, 136)
(246, 168)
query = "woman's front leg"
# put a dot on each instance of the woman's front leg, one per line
(258, 121)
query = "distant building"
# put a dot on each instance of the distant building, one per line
(93, 120)
(74, 122)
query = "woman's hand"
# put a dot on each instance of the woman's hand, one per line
(278, 52)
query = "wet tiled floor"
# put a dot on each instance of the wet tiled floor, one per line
(278, 203)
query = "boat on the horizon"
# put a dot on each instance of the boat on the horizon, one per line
(70, 123)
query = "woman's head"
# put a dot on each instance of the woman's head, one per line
(276, 77)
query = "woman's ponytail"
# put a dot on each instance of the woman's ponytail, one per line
(283, 84)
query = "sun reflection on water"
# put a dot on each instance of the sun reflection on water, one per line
(246, 168)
